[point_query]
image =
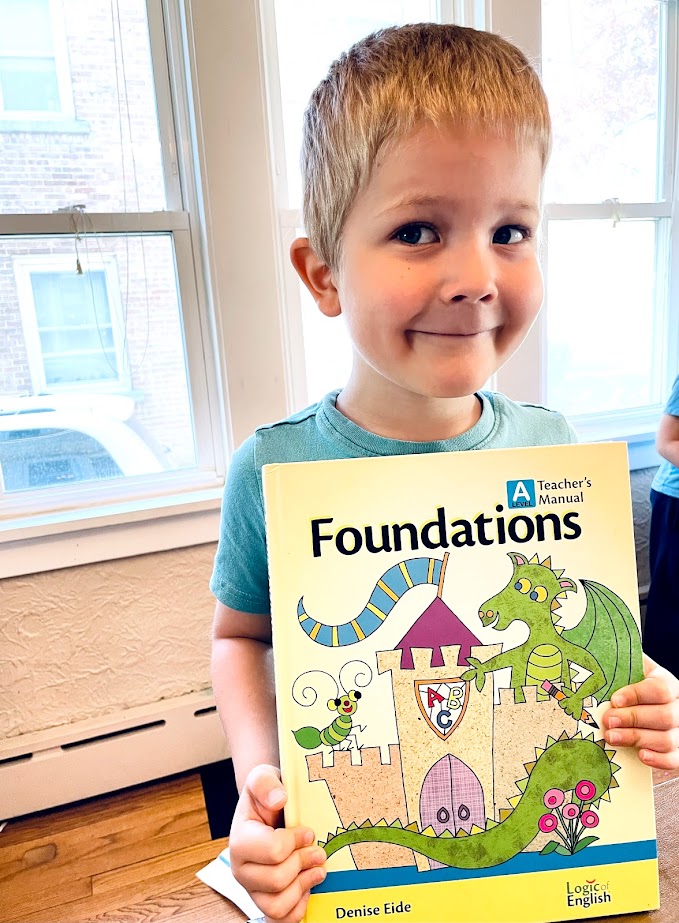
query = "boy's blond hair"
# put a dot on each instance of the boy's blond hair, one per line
(389, 82)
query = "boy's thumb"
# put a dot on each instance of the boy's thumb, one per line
(266, 791)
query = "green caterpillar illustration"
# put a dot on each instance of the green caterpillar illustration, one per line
(304, 692)
(335, 733)
(562, 765)
(387, 591)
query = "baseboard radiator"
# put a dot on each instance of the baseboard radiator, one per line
(100, 755)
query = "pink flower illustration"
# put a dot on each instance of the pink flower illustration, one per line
(589, 819)
(585, 790)
(571, 811)
(548, 823)
(554, 798)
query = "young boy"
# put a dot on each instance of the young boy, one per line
(423, 157)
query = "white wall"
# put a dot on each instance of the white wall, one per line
(85, 641)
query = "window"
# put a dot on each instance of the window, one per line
(105, 338)
(609, 194)
(72, 324)
(606, 348)
(34, 72)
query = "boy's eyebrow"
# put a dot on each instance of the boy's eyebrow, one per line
(410, 201)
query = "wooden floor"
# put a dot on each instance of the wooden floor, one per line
(126, 858)
(130, 857)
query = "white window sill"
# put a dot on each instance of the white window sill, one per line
(638, 433)
(38, 544)
(641, 450)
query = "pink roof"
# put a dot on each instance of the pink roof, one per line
(437, 626)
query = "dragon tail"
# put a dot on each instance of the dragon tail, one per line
(562, 765)
(608, 631)
(391, 586)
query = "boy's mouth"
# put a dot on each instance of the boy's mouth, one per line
(451, 333)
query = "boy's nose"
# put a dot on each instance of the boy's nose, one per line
(470, 276)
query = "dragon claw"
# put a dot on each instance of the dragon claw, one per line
(476, 673)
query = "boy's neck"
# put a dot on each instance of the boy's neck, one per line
(412, 418)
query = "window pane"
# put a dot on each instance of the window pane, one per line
(26, 27)
(70, 299)
(29, 85)
(36, 457)
(113, 161)
(100, 354)
(601, 315)
(77, 340)
(310, 35)
(327, 349)
(601, 69)
(73, 317)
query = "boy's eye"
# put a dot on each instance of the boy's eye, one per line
(510, 234)
(416, 233)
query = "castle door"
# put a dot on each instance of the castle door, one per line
(451, 799)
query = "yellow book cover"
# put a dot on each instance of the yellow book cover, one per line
(448, 630)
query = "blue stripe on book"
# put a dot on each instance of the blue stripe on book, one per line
(519, 865)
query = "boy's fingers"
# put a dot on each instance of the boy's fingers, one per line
(644, 739)
(295, 914)
(659, 687)
(254, 842)
(660, 760)
(282, 906)
(255, 876)
(276, 879)
(658, 717)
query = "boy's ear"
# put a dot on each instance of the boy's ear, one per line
(316, 275)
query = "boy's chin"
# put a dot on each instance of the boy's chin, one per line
(454, 390)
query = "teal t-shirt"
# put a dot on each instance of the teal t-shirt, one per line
(666, 480)
(322, 433)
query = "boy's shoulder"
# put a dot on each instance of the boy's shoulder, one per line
(521, 423)
(293, 438)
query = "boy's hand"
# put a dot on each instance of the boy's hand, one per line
(276, 866)
(645, 715)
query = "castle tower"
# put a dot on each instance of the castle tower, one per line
(370, 790)
(442, 718)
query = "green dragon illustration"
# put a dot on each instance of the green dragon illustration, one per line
(561, 765)
(605, 643)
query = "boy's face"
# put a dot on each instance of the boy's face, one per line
(439, 280)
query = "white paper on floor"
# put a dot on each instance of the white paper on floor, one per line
(218, 875)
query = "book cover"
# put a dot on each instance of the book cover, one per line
(448, 630)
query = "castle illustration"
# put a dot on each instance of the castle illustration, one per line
(459, 753)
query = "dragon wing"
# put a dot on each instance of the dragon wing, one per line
(608, 631)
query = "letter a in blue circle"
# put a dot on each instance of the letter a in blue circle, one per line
(520, 494)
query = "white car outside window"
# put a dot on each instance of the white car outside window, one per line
(63, 439)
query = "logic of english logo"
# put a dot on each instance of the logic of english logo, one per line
(520, 494)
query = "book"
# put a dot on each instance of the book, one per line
(448, 630)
